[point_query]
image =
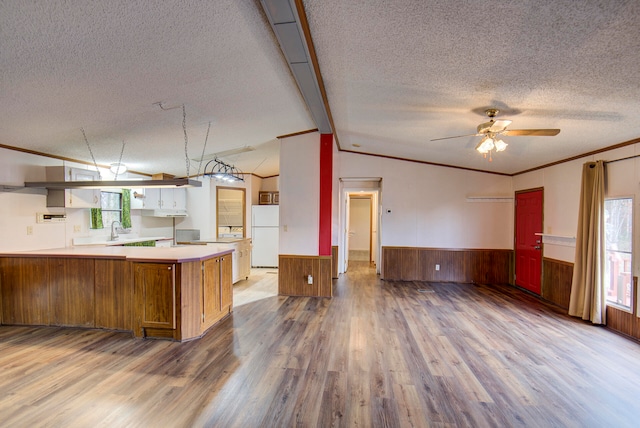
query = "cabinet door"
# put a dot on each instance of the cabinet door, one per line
(179, 199)
(210, 290)
(137, 199)
(166, 199)
(235, 263)
(71, 283)
(114, 295)
(83, 198)
(24, 285)
(264, 198)
(152, 199)
(155, 287)
(226, 283)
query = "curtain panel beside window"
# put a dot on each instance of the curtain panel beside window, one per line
(588, 299)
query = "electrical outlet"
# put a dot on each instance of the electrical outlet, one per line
(309, 280)
(437, 267)
(77, 228)
(285, 227)
(29, 230)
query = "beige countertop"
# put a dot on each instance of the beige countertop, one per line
(148, 254)
(121, 240)
(214, 241)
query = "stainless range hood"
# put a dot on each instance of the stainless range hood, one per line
(120, 184)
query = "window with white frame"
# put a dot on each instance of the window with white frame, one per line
(618, 277)
(111, 204)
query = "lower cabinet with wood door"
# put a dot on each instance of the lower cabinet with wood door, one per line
(217, 290)
(174, 293)
(181, 301)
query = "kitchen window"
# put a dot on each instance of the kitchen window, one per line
(111, 204)
(618, 278)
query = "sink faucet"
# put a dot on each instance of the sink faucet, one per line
(114, 233)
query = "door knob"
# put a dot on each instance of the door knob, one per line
(537, 247)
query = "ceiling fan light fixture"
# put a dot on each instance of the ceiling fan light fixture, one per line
(485, 145)
(500, 145)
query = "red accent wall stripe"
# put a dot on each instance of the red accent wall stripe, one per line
(326, 175)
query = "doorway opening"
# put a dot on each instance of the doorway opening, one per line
(360, 211)
(359, 240)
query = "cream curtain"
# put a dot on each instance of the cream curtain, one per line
(588, 299)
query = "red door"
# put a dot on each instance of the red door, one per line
(528, 244)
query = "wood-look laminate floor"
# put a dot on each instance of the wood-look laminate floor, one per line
(377, 354)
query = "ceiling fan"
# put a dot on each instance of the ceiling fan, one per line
(493, 129)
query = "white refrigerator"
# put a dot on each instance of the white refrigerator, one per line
(265, 235)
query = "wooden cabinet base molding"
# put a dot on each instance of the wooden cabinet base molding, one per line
(293, 276)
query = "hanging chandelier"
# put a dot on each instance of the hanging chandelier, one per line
(222, 171)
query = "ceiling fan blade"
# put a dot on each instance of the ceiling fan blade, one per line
(457, 136)
(531, 132)
(499, 125)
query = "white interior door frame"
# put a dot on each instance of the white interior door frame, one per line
(359, 186)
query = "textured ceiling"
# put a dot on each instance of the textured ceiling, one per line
(397, 74)
(101, 66)
(401, 73)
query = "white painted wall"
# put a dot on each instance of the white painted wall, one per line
(426, 206)
(270, 184)
(201, 209)
(561, 185)
(299, 194)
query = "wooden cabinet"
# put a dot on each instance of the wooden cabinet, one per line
(155, 287)
(268, 198)
(113, 295)
(72, 198)
(173, 300)
(71, 291)
(24, 289)
(226, 283)
(241, 258)
(210, 291)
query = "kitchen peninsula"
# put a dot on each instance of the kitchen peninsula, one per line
(173, 293)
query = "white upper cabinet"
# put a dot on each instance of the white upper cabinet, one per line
(72, 198)
(159, 199)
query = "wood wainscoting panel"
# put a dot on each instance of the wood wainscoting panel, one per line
(486, 266)
(114, 294)
(556, 281)
(490, 266)
(71, 292)
(449, 265)
(24, 285)
(626, 322)
(334, 262)
(400, 263)
(325, 283)
(293, 273)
